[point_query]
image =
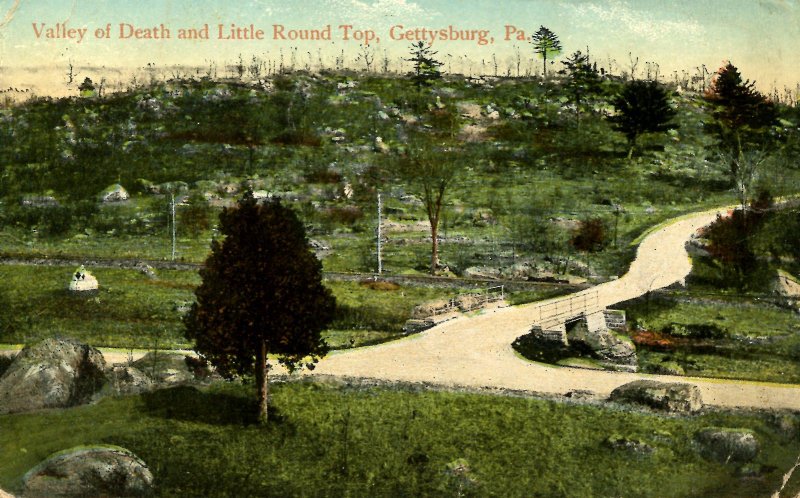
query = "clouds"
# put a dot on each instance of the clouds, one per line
(377, 12)
(616, 14)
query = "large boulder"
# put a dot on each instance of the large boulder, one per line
(614, 351)
(52, 374)
(671, 397)
(107, 471)
(725, 445)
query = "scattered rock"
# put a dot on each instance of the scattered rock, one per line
(787, 287)
(417, 325)
(671, 397)
(430, 308)
(484, 272)
(581, 394)
(519, 271)
(39, 201)
(94, 471)
(83, 281)
(725, 445)
(52, 374)
(129, 380)
(146, 270)
(383, 116)
(165, 369)
(629, 445)
(114, 193)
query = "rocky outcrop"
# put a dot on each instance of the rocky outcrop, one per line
(52, 374)
(671, 397)
(614, 352)
(165, 369)
(129, 380)
(725, 445)
(107, 471)
(114, 193)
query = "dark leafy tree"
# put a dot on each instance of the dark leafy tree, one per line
(642, 107)
(261, 294)
(426, 67)
(546, 45)
(582, 80)
(741, 113)
(731, 241)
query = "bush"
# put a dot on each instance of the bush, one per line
(590, 236)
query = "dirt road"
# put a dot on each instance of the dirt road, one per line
(475, 351)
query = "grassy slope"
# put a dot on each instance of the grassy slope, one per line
(377, 442)
(133, 311)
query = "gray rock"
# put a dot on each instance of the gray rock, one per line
(146, 270)
(52, 374)
(614, 351)
(671, 397)
(165, 369)
(107, 471)
(129, 380)
(114, 193)
(519, 271)
(725, 445)
(629, 445)
(484, 272)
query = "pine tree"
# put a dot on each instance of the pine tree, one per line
(261, 294)
(546, 44)
(741, 113)
(582, 80)
(642, 107)
(426, 67)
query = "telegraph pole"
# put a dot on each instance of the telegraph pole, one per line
(172, 199)
(380, 264)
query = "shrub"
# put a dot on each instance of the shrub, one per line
(590, 235)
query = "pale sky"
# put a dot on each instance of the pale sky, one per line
(759, 36)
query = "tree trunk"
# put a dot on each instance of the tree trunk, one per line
(434, 245)
(262, 382)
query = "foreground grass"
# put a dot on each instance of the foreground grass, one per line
(328, 441)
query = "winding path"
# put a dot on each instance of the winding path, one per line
(475, 351)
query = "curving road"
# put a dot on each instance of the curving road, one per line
(475, 351)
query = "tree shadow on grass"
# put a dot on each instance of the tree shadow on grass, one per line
(190, 404)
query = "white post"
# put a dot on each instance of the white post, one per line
(172, 198)
(380, 264)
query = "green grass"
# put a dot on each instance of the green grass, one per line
(328, 441)
(130, 310)
(755, 341)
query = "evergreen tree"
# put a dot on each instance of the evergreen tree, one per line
(582, 80)
(426, 67)
(261, 294)
(742, 114)
(546, 45)
(642, 107)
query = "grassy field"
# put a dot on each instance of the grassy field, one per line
(132, 310)
(339, 441)
(716, 335)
